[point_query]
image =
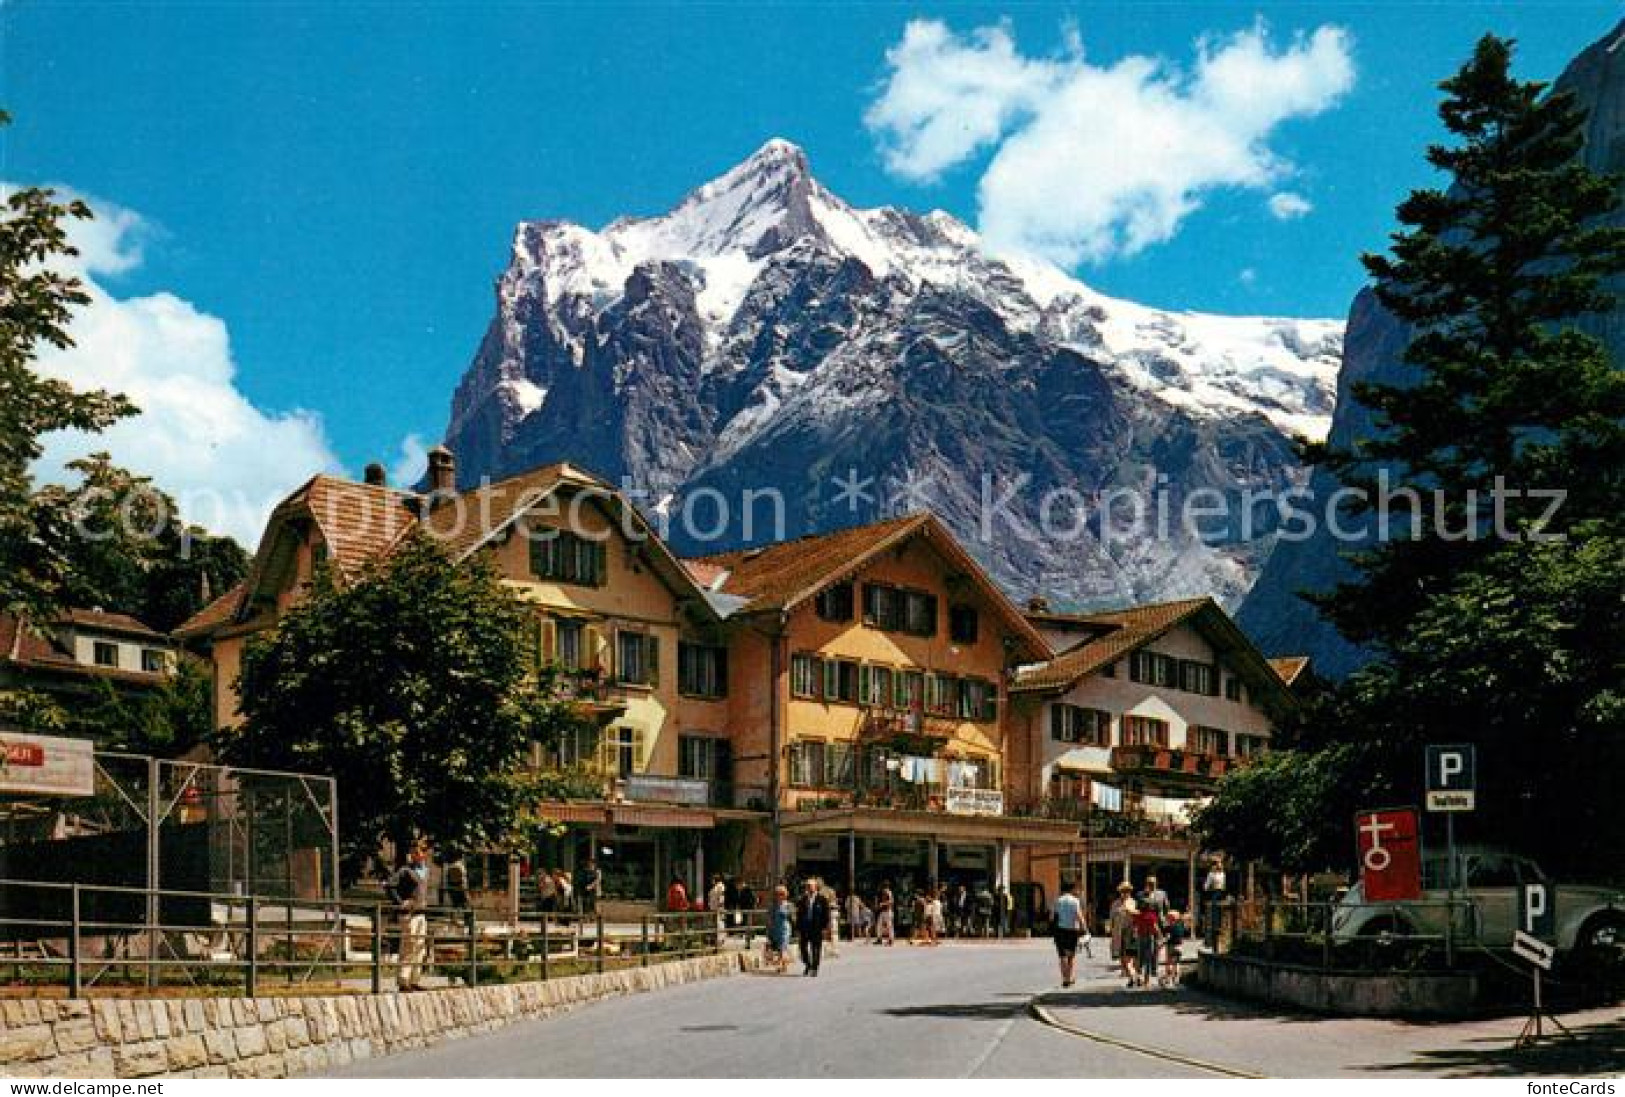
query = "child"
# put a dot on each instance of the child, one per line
(777, 950)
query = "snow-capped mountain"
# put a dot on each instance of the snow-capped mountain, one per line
(764, 334)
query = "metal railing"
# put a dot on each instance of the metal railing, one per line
(85, 938)
(1419, 935)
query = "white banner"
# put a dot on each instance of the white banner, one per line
(45, 765)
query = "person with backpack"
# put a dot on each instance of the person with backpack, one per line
(408, 889)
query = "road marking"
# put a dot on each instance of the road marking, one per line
(993, 1045)
(1044, 1016)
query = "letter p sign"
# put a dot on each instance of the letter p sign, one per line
(1452, 778)
(1536, 915)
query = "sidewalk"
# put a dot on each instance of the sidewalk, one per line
(1277, 1043)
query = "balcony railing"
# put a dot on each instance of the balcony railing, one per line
(1162, 761)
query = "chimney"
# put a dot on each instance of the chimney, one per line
(374, 475)
(442, 471)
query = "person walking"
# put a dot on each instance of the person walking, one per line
(410, 889)
(716, 901)
(779, 915)
(1120, 924)
(935, 919)
(1147, 937)
(1003, 908)
(1174, 936)
(832, 936)
(886, 916)
(1068, 927)
(812, 922)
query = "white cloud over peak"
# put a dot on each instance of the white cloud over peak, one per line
(1091, 162)
(1287, 206)
(225, 461)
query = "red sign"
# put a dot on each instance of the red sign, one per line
(1390, 854)
(24, 754)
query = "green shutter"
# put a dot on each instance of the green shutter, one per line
(832, 680)
(865, 678)
(990, 703)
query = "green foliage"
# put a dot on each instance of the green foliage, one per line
(122, 547)
(36, 301)
(412, 684)
(1516, 644)
(165, 721)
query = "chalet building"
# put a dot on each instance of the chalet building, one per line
(68, 658)
(637, 640)
(1130, 726)
(868, 668)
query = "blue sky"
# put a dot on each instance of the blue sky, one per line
(336, 184)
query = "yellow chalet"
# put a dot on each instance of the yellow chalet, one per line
(868, 671)
(638, 641)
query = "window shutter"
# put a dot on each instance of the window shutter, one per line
(1055, 722)
(547, 641)
(722, 671)
(990, 704)
(865, 678)
(832, 680)
(592, 653)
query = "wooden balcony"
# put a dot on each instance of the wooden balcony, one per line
(1179, 766)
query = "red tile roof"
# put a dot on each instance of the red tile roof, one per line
(212, 616)
(1131, 628)
(781, 576)
(101, 620)
(34, 649)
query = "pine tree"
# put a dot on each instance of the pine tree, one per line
(1490, 275)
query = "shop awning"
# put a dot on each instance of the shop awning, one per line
(630, 815)
(933, 824)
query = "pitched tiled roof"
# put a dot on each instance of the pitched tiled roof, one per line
(1290, 667)
(212, 616)
(359, 522)
(778, 576)
(1132, 627)
(463, 522)
(33, 649)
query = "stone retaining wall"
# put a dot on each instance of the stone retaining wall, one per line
(1343, 994)
(280, 1037)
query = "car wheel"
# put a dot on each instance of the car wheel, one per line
(1385, 929)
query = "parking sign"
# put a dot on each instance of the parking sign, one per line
(1452, 777)
(1537, 910)
(1390, 854)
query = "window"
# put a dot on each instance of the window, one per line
(882, 607)
(978, 700)
(702, 757)
(840, 765)
(962, 624)
(841, 681)
(1075, 724)
(920, 615)
(152, 660)
(623, 748)
(572, 645)
(1195, 677)
(940, 691)
(1250, 746)
(702, 670)
(105, 654)
(1144, 731)
(1232, 688)
(637, 659)
(1206, 740)
(578, 746)
(1154, 669)
(567, 558)
(807, 763)
(910, 689)
(875, 686)
(896, 610)
(805, 673)
(835, 603)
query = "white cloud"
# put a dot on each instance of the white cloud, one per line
(1287, 206)
(1091, 162)
(412, 462)
(224, 460)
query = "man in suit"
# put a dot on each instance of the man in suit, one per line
(812, 920)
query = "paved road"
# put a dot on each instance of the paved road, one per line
(962, 1011)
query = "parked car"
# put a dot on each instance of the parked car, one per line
(1487, 905)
